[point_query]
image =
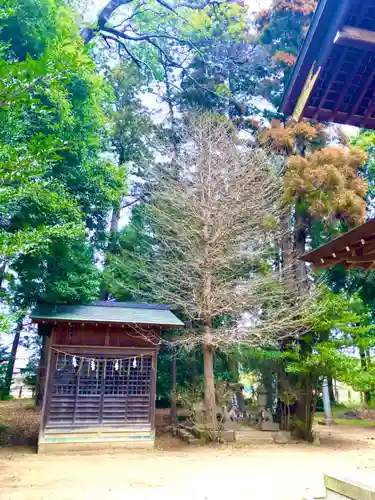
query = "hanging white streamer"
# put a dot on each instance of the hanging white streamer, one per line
(135, 363)
(116, 365)
(92, 365)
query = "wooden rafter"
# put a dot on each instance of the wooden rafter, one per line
(357, 38)
(362, 95)
(337, 65)
(338, 29)
(353, 249)
(370, 110)
(351, 76)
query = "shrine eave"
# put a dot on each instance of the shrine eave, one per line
(334, 76)
(353, 249)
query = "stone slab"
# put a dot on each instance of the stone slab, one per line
(268, 426)
(228, 436)
(282, 437)
(358, 486)
(103, 447)
(254, 437)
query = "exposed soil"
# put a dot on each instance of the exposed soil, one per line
(175, 470)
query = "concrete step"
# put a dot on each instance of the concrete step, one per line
(253, 436)
(268, 426)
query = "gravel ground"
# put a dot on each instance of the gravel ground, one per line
(175, 470)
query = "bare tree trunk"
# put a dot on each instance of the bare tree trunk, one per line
(304, 410)
(209, 387)
(286, 241)
(364, 364)
(171, 111)
(2, 272)
(331, 391)
(174, 390)
(12, 359)
(233, 368)
(115, 218)
(300, 233)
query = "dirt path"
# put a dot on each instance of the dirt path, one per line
(177, 471)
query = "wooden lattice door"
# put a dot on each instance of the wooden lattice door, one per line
(86, 394)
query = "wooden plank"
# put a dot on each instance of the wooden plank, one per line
(87, 410)
(357, 38)
(107, 351)
(47, 390)
(153, 390)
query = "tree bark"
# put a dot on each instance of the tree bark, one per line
(364, 364)
(233, 368)
(209, 387)
(2, 272)
(115, 219)
(304, 410)
(304, 403)
(300, 234)
(286, 241)
(174, 390)
(331, 391)
(12, 359)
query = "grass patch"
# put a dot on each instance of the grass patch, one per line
(349, 421)
(319, 417)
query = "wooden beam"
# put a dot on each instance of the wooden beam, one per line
(362, 258)
(369, 248)
(356, 38)
(350, 34)
(368, 268)
(345, 243)
(340, 262)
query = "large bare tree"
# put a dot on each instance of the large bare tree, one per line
(213, 222)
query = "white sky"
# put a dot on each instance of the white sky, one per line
(258, 4)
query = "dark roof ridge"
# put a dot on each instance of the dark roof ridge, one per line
(133, 305)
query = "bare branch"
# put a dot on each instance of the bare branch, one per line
(213, 225)
(130, 203)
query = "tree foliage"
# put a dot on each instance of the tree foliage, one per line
(282, 29)
(54, 182)
(57, 188)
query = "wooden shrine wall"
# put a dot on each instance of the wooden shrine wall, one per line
(104, 335)
(109, 403)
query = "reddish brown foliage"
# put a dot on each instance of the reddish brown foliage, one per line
(284, 139)
(329, 182)
(325, 179)
(285, 58)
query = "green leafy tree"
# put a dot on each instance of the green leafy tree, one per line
(282, 28)
(4, 359)
(57, 187)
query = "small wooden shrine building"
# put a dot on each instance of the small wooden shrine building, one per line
(98, 373)
(334, 76)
